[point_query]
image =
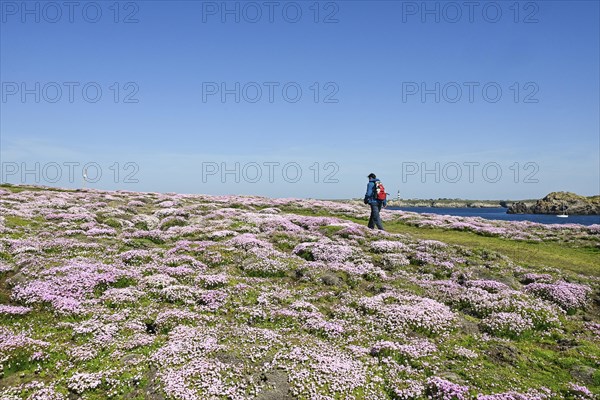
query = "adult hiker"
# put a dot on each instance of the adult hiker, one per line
(376, 198)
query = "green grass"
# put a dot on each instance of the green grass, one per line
(13, 221)
(534, 254)
(28, 188)
(582, 260)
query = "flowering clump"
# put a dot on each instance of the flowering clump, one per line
(96, 231)
(81, 382)
(122, 295)
(411, 389)
(569, 296)
(103, 334)
(466, 353)
(388, 246)
(179, 293)
(179, 260)
(321, 368)
(350, 231)
(512, 395)
(487, 285)
(594, 328)
(46, 393)
(323, 252)
(186, 342)
(266, 267)
(406, 312)
(394, 260)
(221, 234)
(579, 392)
(14, 310)
(172, 317)
(431, 244)
(496, 299)
(442, 389)
(66, 287)
(147, 222)
(158, 281)
(248, 241)
(416, 349)
(136, 256)
(212, 281)
(5, 267)
(136, 203)
(138, 340)
(508, 324)
(534, 277)
(189, 370)
(12, 344)
(327, 328)
(83, 353)
(211, 300)
(365, 269)
(69, 217)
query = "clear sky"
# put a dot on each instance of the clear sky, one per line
(497, 100)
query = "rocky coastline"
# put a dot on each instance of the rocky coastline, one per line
(557, 203)
(449, 203)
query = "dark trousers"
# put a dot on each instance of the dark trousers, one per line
(375, 219)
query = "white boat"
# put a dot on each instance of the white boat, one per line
(562, 214)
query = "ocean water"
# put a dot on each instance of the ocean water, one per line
(500, 214)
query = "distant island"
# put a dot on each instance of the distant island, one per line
(557, 203)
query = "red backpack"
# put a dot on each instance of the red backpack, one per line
(379, 190)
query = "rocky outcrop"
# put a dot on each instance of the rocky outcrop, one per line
(519, 208)
(556, 203)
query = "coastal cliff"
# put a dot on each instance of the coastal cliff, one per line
(557, 202)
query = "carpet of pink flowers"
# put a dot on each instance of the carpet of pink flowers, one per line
(116, 294)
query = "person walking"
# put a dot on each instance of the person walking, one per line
(376, 198)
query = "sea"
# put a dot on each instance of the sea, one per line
(500, 214)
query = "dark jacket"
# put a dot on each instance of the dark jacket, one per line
(370, 195)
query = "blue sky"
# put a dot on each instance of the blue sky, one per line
(370, 62)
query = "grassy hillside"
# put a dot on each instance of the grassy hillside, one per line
(152, 296)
